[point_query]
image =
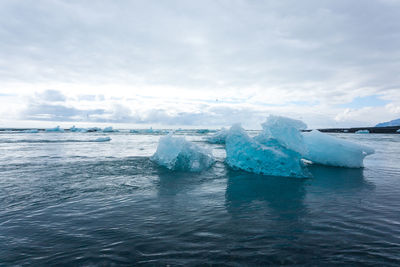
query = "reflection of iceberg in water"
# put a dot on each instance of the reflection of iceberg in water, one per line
(269, 195)
(287, 198)
(336, 180)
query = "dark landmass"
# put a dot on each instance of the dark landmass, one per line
(383, 130)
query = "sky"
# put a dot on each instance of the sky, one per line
(198, 63)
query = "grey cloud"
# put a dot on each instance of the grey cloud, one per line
(51, 96)
(49, 112)
(207, 43)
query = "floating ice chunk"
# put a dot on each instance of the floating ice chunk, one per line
(109, 130)
(362, 132)
(328, 150)
(30, 131)
(176, 153)
(218, 137)
(269, 158)
(398, 131)
(94, 129)
(134, 131)
(285, 131)
(75, 129)
(56, 129)
(202, 131)
(102, 139)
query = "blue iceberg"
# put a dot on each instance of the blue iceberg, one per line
(176, 153)
(264, 154)
(281, 146)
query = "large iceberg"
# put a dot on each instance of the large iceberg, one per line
(267, 153)
(176, 153)
(280, 147)
(218, 137)
(328, 150)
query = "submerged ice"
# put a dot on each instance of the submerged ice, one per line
(176, 153)
(328, 150)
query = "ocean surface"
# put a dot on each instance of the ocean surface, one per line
(67, 199)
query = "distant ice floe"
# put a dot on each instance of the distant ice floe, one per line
(268, 153)
(97, 140)
(102, 139)
(109, 130)
(79, 130)
(30, 131)
(328, 150)
(147, 131)
(55, 130)
(202, 131)
(218, 137)
(94, 129)
(398, 131)
(362, 132)
(176, 153)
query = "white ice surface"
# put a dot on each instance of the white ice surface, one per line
(329, 150)
(176, 153)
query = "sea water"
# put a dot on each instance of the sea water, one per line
(67, 199)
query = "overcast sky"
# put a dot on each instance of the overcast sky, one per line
(199, 63)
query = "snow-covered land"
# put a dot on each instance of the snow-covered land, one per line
(176, 153)
(389, 123)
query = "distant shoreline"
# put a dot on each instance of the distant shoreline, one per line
(382, 130)
(378, 130)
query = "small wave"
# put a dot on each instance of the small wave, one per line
(97, 140)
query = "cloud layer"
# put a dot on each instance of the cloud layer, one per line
(181, 62)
